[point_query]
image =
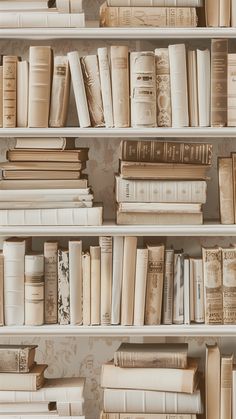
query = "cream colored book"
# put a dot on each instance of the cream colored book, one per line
(128, 283)
(76, 282)
(225, 13)
(162, 171)
(178, 298)
(51, 281)
(90, 70)
(143, 89)
(154, 291)
(9, 90)
(212, 382)
(86, 270)
(196, 267)
(31, 381)
(1, 96)
(106, 279)
(226, 387)
(229, 291)
(117, 265)
(140, 286)
(233, 13)
(159, 208)
(146, 416)
(34, 289)
(192, 88)
(79, 89)
(164, 118)
(226, 193)
(42, 185)
(30, 19)
(135, 218)
(40, 73)
(1, 289)
(231, 85)
(22, 85)
(46, 143)
(105, 79)
(156, 3)
(63, 287)
(186, 290)
(204, 86)
(120, 86)
(95, 254)
(168, 287)
(60, 92)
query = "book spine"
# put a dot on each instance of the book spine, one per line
(229, 290)
(51, 281)
(118, 253)
(92, 83)
(143, 89)
(156, 3)
(63, 6)
(168, 288)
(106, 279)
(60, 93)
(1, 96)
(95, 254)
(75, 281)
(86, 288)
(226, 387)
(164, 117)
(79, 89)
(14, 360)
(224, 14)
(34, 290)
(187, 291)
(212, 11)
(39, 86)
(219, 76)
(144, 416)
(204, 86)
(233, 13)
(9, 91)
(120, 86)
(213, 296)
(63, 287)
(198, 291)
(178, 305)
(22, 94)
(155, 276)
(140, 286)
(41, 20)
(105, 78)
(128, 282)
(231, 104)
(226, 194)
(192, 88)
(76, 6)
(1, 289)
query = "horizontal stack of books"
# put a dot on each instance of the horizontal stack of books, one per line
(44, 181)
(162, 182)
(41, 14)
(24, 391)
(151, 381)
(227, 188)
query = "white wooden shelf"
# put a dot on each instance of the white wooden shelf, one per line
(119, 132)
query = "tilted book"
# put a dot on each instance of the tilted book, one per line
(128, 282)
(105, 243)
(30, 381)
(9, 90)
(164, 118)
(219, 76)
(63, 287)
(51, 281)
(34, 289)
(213, 293)
(105, 79)
(17, 358)
(60, 92)
(226, 190)
(120, 86)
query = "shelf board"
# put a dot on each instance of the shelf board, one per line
(119, 132)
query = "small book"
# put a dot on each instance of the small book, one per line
(34, 185)
(45, 165)
(40, 174)
(81, 154)
(59, 143)
(31, 381)
(159, 208)
(17, 358)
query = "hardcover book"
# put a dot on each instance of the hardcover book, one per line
(17, 358)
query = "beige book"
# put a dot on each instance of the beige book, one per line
(39, 174)
(1, 289)
(234, 183)
(60, 92)
(158, 208)
(231, 105)
(9, 91)
(40, 73)
(226, 190)
(1, 96)
(143, 89)
(196, 266)
(229, 284)
(63, 6)
(128, 283)
(168, 287)
(50, 275)
(42, 184)
(86, 270)
(34, 289)
(56, 143)
(140, 286)
(145, 416)
(155, 276)
(226, 387)
(212, 382)
(120, 86)
(193, 89)
(95, 254)
(79, 154)
(117, 277)
(42, 166)
(233, 13)
(17, 358)
(219, 76)
(179, 86)
(106, 279)
(79, 89)
(105, 79)
(156, 3)
(225, 13)
(164, 118)
(31, 381)
(92, 83)
(204, 86)
(178, 295)
(135, 218)
(75, 282)
(213, 290)
(22, 85)
(63, 287)
(212, 9)
(76, 6)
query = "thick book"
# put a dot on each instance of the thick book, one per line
(156, 379)
(226, 190)
(212, 382)
(105, 243)
(31, 381)
(147, 416)
(156, 3)
(217, 13)
(135, 218)
(60, 92)
(40, 174)
(42, 185)
(75, 281)
(80, 154)
(128, 282)
(229, 291)
(29, 19)
(163, 95)
(9, 89)
(204, 86)
(151, 355)
(95, 259)
(57, 143)
(213, 287)
(51, 281)
(154, 290)
(105, 78)
(63, 287)
(34, 289)
(159, 208)
(120, 85)
(17, 358)
(219, 77)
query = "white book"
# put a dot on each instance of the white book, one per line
(95, 255)
(43, 195)
(22, 83)
(24, 408)
(198, 290)
(6, 5)
(86, 269)
(105, 78)
(204, 86)
(233, 16)
(128, 281)
(156, 3)
(192, 88)
(168, 288)
(178, 306)
(69, 409)
(140, 286)
(106, 279)
(34, 289)
(79, 89)
(118, 253)
(179, 87)
(186, 291)
(75, 281)
(39, 416)
(1, 289)
(41, 20)
(58, 143)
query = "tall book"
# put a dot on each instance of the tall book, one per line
(187, 319)
(234, 183)
(63, 287)
(143, 89)
(196, 267)
(219, 76)
(226, 387)
(178, 298)
(22, 84)
(75, 281)
(156, 3)
(105, 78)
(217, 12)
(192, 88)
(229, 291)
(128, 282)
(226, 190)
(34, 289)
(164, 118)
(1, 289)
(117, 265)
(95, 254)
(212, 274)
(60, 92)
(1, 96)
(86, 270)
(140, 286)
(233, 13)
(212, 382)
(168, 287)
(9, 91)
(51, 281)
(120, 86)
(231, 93)
(204, 86)
(106, 279)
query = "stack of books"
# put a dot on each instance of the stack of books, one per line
(162, 182)
(41, 14)
(227, 188)
(151, 380)
(43, 180)
(24, 391)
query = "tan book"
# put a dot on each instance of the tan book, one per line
(219, 76)
(128, 282)
(155, 276)
(106, 279)
(168, 287)
(231, 86)
(80, 154)
(17, 358)
(120, 86)
(95, 255)
(105, 78)
(217, 12)
(43, 184)
(1, 96)
(164, 117)
(151, 355)
(51, 282)
(1, 289)
(212, 380)
(49, 166)
(156, 3)
(86, 271)
(204, 86)
(140, 286)
(158, 208)
(31, 381)
(56, 143)
(234, 183)
(192, 88)
(60, 92)
(229, 290)
(39, 174)
(213, 292)
(143, 89)
(226, 387)
(145, 416)
(226, 190)
(22, 84)
(134, 218)
(34, 289)
(9, 91)
(76, 282)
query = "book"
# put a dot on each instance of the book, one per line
(175, 17)
(63, 287)
(34, 289)
(86, 271)
(105, 242)
(140, 286)
(128, 281)
(30, 381)
(43, 166)
(233, 13)
(233, 394)
(39, 174)
(95, 255)
(187, 319)
(25, 205)
(212, 382)
(23, 408)
(75, 282)
(60, 92)
(151, 355)
(80, 154)
(79, 89)
(135, 218)
(234, 183)
(149, 416)
(69, 409)
(105, 79)
(143, 89)
(1, 289)
(42, 185)
(156, 3)
(178, 297)
(217, 12)
(154, 290)
(144, 401)
(229, 292)
(1, 96)
(196, 267)
(155, 379)
(57, 143)
(22, 86)
(226, 194)
(163, 94)
(41, 416)
(192, 88)
(9, 90)
(226, 386)
(17, 358)
(185, 191)
(158, 208)
(212, 275)
(120, 85)
(51, 281)
(219, 58)
(38, 195)
(231, 93)
(8, 5)
(168, 287)
(29, 19)
(204, 86)
(117, 277)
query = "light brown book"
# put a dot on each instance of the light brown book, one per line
(134, 218)
(128, 282)
(154, 290)
(60, 92)
(229, 290)
(226, 387)
(212, 380)
(17, 358)
(1, 96)
(22, 94)
(104, 415)
(1, 289)
(9, 91)
(31, 381)
(40, 174)
(40, 74)
(219, 80)
(226, 190)
(43, 184)
(217, 12)
(120, 86)
(231, 90)
(51, 281)
(57, 143)
(234, 183)
(80, 154)
(192, 88)
(159, 208)
(50, 166)
(164, 117)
